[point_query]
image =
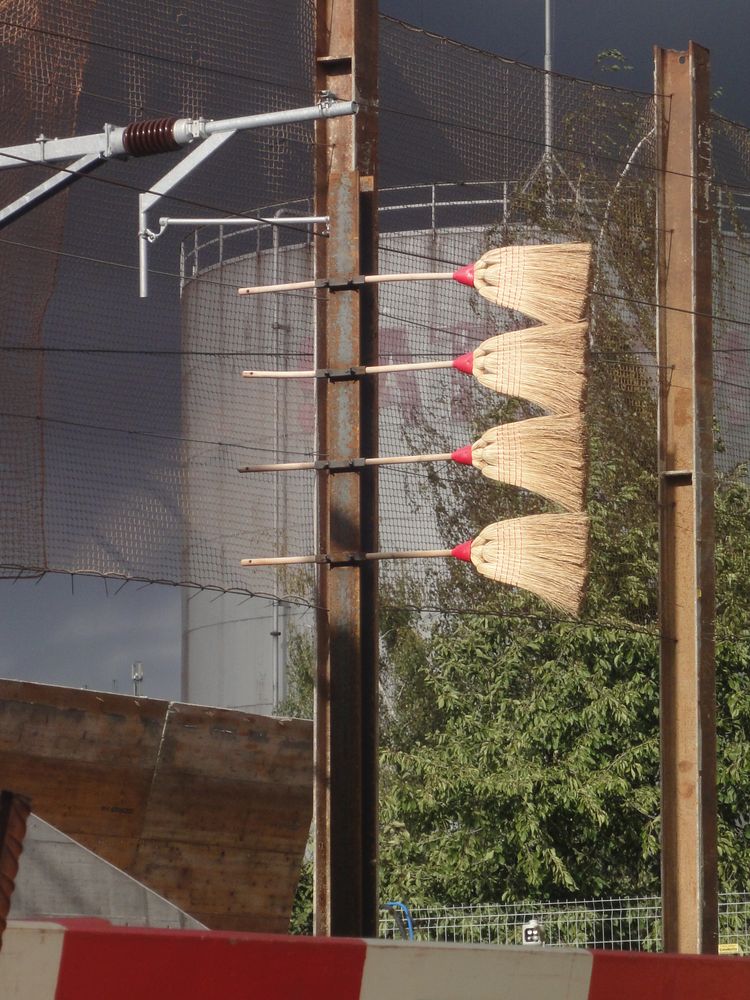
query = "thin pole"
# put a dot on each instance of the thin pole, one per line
(275, 616)
(548, 127)
(686, 516)
(365, 557)
(368, 279)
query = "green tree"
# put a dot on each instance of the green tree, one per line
(538, 776)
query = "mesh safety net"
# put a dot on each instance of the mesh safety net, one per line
(124, 420)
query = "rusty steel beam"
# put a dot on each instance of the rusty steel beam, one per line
(14, 812)
(346, 324)
(686, 514)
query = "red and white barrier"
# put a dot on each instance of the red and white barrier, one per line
(91, 960)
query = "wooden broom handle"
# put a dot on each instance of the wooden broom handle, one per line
(412, 366)
(369, 556)
(411, 554)
(374, 279)
(370, 279)
(281, 560)
(394, 460)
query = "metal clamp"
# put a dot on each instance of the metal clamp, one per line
(341, 284)
(346, 465)
(341, 374)
(350, 559)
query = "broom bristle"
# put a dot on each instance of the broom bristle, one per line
(544, 364)
(546, 455)
(546, 554)
(549, 282)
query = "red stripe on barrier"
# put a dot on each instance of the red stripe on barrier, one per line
(632, 976)
(135, 964)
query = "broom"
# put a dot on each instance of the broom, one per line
(544, 364)
(546, 554)
(546, 455)
(549, 282)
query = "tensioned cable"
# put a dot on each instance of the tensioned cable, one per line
(168, 60)
(159, 353)
(447, 123)
(228, 284)
(21, 573)
(99, 179)
(416, 29)
(149, 434)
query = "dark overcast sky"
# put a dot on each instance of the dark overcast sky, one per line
(584, 28)
(47, 631)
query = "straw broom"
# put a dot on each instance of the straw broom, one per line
(544, 364)
(546, 554)
(549, 283)
(546, 455)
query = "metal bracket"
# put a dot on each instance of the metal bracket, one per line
(350, 559)
(346, 465)
(341, 284)
(678, 475)
(59, 180)
(115, 141)
(341, 374)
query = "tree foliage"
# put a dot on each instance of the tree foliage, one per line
(537, 775)
(520, 751)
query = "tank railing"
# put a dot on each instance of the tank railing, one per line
(193, 246)
(436, 199)
(732, 214)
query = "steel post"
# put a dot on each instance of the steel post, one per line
(686, 584)
(347, 688)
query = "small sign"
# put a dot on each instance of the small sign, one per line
(730, 948)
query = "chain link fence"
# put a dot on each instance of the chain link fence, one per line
(124, 420)
(620, 923)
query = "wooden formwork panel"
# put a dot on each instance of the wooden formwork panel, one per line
(208, 807)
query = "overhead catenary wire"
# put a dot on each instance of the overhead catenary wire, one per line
(408, 324)
(719, 317)
(273, 85)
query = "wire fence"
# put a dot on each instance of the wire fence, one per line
(619, 923)
(124, 420)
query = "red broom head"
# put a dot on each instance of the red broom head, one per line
(465, 275)
(463, 551)
(463, 455)
(465, 363)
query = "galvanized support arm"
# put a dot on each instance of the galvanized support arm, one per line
(50, 187)
(145, 138)
(161, 135)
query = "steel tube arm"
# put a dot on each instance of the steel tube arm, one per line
(115, 140)
(48, 188)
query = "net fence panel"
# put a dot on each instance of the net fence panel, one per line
(124, 420)
(623, 923)
(731, 151)
(464, 167)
